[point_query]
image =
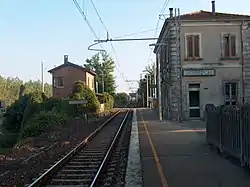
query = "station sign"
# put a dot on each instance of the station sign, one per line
(77, 102)
(198, 72)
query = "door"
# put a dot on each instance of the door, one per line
(194, 101)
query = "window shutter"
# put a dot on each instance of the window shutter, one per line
(233, 45)
(189, 46)
(197, 45)
(222, 44)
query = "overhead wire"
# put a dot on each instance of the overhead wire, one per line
(106, 29)
(86, 20)
(135, 33)
(165, 4)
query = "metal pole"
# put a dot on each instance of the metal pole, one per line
(159, 87)
(143, 100)
(155, 80)
(96, 85)
(102, 79)
(42, 76)
(150, 88)
(147, 90)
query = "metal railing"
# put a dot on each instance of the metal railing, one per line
(228, 129)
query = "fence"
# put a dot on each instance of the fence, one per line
(228, 129)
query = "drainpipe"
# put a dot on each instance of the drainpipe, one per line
(242, 63)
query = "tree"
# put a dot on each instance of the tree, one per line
(121, 99)
(82, 92)
(104, 67)
(10, 88)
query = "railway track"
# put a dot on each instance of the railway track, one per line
(93, 161)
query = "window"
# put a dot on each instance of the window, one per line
(230, 94)
(193, 46)
(229, 45)
(88, 82)
(58, 82)
(93, 83)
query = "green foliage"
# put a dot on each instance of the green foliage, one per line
(104, 66)
(108, 101)
(82, 92)
(121, 99)
(31, 115)
(14, 115)
(10, 89)
(8, 139)
(43, 122)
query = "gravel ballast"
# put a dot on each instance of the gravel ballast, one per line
(38, 154)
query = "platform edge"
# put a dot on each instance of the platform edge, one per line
(133, 171)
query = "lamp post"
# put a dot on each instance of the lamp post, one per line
(159, 77)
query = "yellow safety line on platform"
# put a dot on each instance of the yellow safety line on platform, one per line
(156, 158)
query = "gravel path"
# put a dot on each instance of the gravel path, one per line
(37, 155)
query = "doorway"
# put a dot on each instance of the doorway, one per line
(194, 100)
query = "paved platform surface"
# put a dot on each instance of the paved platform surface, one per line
(176, 155)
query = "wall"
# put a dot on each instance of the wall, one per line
(70, 76)
(211, 48)
(211, 58)
(91, 82)
(102, 107)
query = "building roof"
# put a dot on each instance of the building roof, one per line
(203, 15)
(69, 64)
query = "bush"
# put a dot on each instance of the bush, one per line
(7, 140)
(43, 122)
(14, 115)
(83, 92)
(57, 105)
(108, 101)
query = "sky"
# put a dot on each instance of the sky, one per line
(35, 31)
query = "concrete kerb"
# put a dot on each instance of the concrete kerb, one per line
(133, 171)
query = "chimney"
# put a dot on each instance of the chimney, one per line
(66, 60)
(213, 7)
(170, 12)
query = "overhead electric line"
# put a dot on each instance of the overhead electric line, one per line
(135, 33)
(85, 18)
(165, 4)
(99, 16)
(124, 39)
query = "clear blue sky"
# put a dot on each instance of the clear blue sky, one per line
(44, 30)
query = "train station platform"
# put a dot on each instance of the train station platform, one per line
(171, 154)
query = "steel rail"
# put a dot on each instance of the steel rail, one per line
(108, 154)
(40, 180)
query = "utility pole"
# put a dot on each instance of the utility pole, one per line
(96, 86)
(155, 80)
(103, 78)
(147, 91)
(150, 89)
(159, 86)
(42, 76)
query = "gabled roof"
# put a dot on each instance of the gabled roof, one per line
(204, 16)
(69, 64)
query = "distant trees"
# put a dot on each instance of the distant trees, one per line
(104, 67)
(121, 99)
(9, 88)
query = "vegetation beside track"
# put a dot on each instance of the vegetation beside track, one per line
(34, 114)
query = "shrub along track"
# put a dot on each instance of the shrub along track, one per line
(94, 161)
(22, 170)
